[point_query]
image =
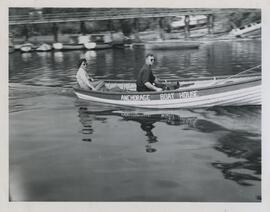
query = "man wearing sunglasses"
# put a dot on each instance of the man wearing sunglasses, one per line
(146, 79)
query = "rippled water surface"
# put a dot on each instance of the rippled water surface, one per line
(65, 149)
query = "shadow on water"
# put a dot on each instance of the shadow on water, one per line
(242, 146)
(239, 144)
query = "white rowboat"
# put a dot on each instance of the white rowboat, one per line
(192, 93)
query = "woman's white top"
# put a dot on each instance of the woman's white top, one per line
(83, 79)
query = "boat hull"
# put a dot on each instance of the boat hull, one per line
(44, 48)
(247, 92)
(27, 48)
(246, 29)
(67, 47)
(97, 46)
(168, 45)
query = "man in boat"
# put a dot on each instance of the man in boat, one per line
(83, 78)
(146, 79)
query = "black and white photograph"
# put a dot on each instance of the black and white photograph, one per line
(125, 104)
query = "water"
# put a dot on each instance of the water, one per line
(65, 149)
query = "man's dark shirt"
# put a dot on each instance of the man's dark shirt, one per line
(145, 75)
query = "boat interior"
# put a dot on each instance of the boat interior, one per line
(173, 85)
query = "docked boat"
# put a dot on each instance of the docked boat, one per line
(66, 47)
(27, 47)
(192, 93)
(97, 46)
(96, 41)
(44, 48)
(247, 29)
(195, 21)
(168, 45)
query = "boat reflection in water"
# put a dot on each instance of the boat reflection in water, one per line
(241, 147)
(147, 122)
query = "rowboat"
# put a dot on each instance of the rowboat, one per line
(27, 47)
(97, 46)
(66, 47)
(191, 93)
(167, 45)
(44, 48)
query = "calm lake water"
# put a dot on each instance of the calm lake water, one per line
(65, 149)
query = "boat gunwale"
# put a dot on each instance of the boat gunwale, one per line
(185, 79)
(174, 41)
(167, 91)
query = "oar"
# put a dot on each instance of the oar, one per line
(231, 76)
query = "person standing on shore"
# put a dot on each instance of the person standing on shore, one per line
(146, 79)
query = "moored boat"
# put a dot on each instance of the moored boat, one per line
(44, 48)
(97, 46)
(168, 45)
(66, 47)
(96, 41)
(192, 93)
(27, 47)
(247, 29)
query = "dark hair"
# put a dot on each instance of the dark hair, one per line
(149, 54)
(81, 61)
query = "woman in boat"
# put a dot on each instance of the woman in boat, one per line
(83, 78)
(146, 79)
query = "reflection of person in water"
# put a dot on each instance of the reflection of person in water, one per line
(86, 122)
(147, 124)
(147, 127)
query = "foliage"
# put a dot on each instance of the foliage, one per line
(127, 26)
